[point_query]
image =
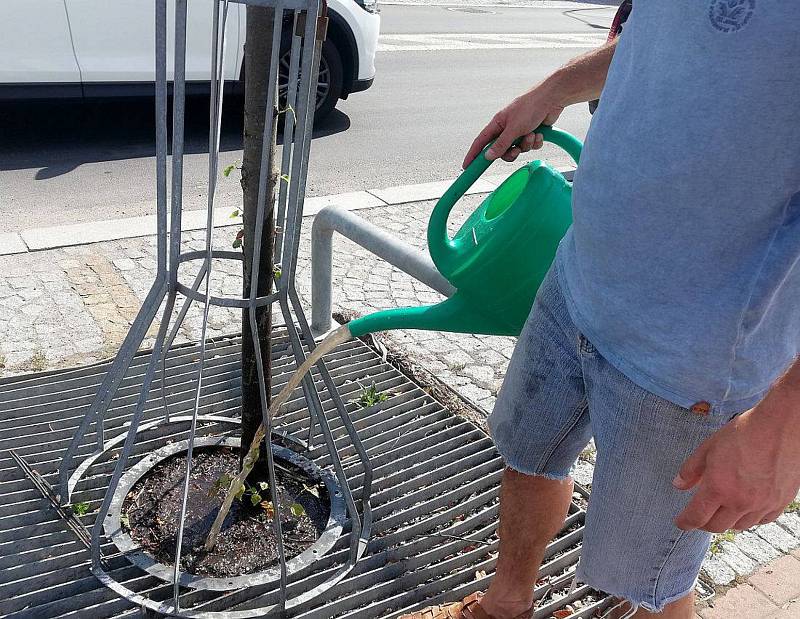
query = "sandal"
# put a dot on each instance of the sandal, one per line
(468, 608)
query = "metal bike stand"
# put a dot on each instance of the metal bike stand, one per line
(307, 36)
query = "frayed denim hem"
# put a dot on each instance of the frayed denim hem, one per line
(534, 473)
(580, 576)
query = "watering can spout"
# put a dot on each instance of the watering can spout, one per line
(453, 315)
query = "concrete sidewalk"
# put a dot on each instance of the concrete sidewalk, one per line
(72, 304)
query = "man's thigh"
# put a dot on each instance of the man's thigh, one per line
(540, 421)
(632, 547)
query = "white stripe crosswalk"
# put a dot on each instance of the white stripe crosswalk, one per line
(458, 41)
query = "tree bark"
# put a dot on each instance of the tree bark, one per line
(257, 55)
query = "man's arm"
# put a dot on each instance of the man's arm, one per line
(581, 79)
(749, 471)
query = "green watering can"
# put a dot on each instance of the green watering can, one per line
(499, 257)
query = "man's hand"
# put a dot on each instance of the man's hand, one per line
(747, 472)
(519, 118)
(581, 79)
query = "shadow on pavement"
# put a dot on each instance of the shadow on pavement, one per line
(59, 135)
(585, 15)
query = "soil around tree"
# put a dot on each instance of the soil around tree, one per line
(247, 541)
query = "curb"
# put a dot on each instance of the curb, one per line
(535, 4)
(41, 239)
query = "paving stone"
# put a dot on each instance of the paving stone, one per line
(733, 556)
(791, 522)
(779, 581)
(493, 359)
(18, 282)
(32, 310)
(457, 359)
(124, 264)
(482, 374)
(29, 294)
(51, 276)
(777, 537)
(583, 472)
(12, 302)
(742, 602)
(718, 571)
(487, 404)
(790, 610)
(756, 547)
(473, 392)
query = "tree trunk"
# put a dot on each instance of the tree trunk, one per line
(257, 53)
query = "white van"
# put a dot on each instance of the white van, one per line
(98, 48)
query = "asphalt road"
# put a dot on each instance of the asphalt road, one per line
(69, 162)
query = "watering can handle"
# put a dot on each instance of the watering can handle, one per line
(438, 240)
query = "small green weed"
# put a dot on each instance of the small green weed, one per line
(793, 507)
(716, 542)
(370, 396)
(588, 454)
(38, 361)
(80, 509)
(2, 362)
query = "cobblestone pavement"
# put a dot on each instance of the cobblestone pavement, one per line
(74, 305)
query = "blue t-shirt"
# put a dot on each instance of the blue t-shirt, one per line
(683, 263)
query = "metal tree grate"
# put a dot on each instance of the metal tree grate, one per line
(434, 495)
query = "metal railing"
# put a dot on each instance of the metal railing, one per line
(375, 240)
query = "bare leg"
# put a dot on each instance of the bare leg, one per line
(532, 511)
(679, 609)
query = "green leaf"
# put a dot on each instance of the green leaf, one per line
(226, 172)
(239, 493)
(235, 214)
(285, 178)
(370, 396)
(297, 510)
(80, 509)
(224, 481)
(255, 498)
(125, 521)
(237, 243)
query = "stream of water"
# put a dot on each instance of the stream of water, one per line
(331, 341)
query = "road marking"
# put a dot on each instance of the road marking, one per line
(504, 4)
(455, 41)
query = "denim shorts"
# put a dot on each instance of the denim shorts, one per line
(560, 392)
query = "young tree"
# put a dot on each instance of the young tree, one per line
(257, 57)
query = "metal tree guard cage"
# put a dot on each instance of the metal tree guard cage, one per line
(298, 90)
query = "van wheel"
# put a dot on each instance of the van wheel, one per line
(329, 85)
